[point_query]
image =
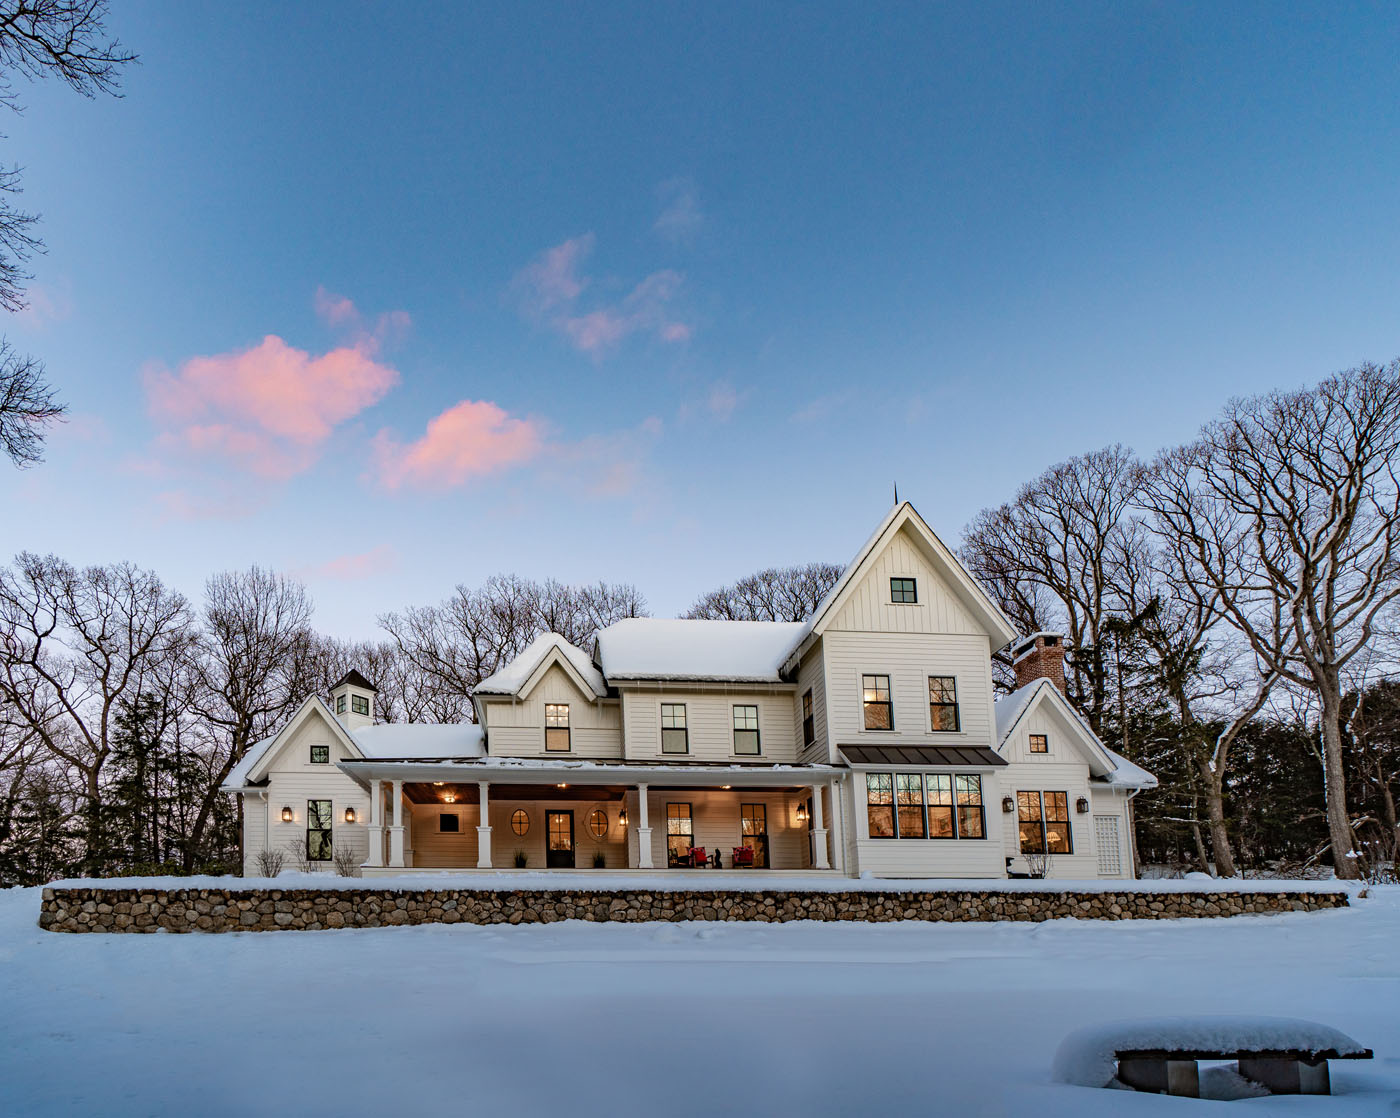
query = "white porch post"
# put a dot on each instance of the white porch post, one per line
(820, 861)
(376, 824)
(483, 829)
(643, 830)
(838, 827)
(396, 831)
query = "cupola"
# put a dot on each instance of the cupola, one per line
(352, 699)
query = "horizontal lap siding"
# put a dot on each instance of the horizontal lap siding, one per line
(435, 850)
(914, 857)
(293, 780)
(710, 722)
(516, 729)
(715, 819)
(811, 674)
(254, 833)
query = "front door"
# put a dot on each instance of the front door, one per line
(559, 834)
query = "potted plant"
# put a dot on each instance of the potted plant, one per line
(599, 862)
(521, 859)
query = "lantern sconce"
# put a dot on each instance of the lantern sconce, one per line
(622, 817)
(287, 814)
(1081, 805)
(349, 815)
(1008, 805)
(802, 812)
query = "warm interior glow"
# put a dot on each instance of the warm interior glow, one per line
(725, 787)
(349, 815)
(561, 786)
(437, 784)
(450, 797)
(286, 815)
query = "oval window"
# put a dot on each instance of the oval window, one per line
(598, 823)
(520, 821)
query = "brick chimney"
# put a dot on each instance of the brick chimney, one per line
(1040, 655)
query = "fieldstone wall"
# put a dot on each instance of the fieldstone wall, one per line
(116, 909)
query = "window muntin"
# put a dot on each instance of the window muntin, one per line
(753, 830)
(340, 704)
(943, 704)
(674, 736)
(359, 704)
(556, 727)
(598, 823)
(1043, 821)
(319, 845)
(809, 725)
(680, 833)
(746, 729)
(972, 819)
(320, 754)
(449, 824)
(1057, 836)
(875, 699)
(1040, 743)
(940, 806)
(879, 804)
(1029, 823)
(520, 821)
(909, 798)
(904, 591)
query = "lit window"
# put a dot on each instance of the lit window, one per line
(318, 830)
(746, 729)
(1044, 823)
(940, 806)
(943, 703)
(909, 794)
(903, 591)
(680, 834)
(320, 754)
(1040, 743)
(556, 727)
(674, 738)
(520, 821)
(340, 704)
(879, 804)
(449, 824)
(809, 725)
(359, 704)
(971, 821)
(875, 696)
(598, 823)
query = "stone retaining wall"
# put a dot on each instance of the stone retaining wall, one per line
(116, 909)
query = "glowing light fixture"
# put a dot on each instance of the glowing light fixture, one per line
(561, 786)
(450, 797)
(802, 812)
(622, 817)
(349, 815)
(287, 814)
(437, 784)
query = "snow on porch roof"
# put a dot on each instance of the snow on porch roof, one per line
(729, 651)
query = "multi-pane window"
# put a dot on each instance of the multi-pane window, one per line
(318, 830)
(320, 754)
(1040, 743)
(875, 697)
(556, 727)
(943, 703)
(879, 804)
(940, 806)
(1044, 822)
(598, 823)
(746, 729)
(520, 821)
(359, 704)
(754, 830)
(903, 591)
(673, 731)
(809, 725)
(680, 834)
(972, 822)
(1057, 836)
(449, 824)
(909, 797)
(340, 704)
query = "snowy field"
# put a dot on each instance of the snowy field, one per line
(674, 1019)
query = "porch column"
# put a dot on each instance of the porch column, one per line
(396, 831)
(838, 828)
(376, 824)
(819, 858)
(643, 830)
(483, 828)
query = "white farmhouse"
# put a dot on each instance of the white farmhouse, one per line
(864, 740)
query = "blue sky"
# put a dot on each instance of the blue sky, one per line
(396, 299)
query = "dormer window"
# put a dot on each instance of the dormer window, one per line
(904, 591)
(359, 704)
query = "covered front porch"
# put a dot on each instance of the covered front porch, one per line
(519, 815)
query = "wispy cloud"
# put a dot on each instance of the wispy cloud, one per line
(551, 290)
(351, 568)
(340, 313)
(44, 306)
(680, 217)
(469, 440)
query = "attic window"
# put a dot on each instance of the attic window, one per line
(904, 591)
(1040, 743)
(340, 704)
(320, 754)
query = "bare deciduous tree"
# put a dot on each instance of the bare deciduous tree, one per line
(773, 594)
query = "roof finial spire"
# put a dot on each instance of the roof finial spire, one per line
(896, 494)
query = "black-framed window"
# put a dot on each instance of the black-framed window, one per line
(1040, 743)
(319, 845)
(809, 724)
(875, 699)
(1030, 823)
(904, 591)
(598, 823)
(909, 799)
(449, 824)
(1043, 822)
(320, 754)
(753, 832)
(340, 704)
(746, 729)
(359, 704)
(680, 833)
(940, 806)
(556, 727)
(520, 821)
(674, 736)
(879, 805)
(1057, 836)
(972, 819)
(943, 704)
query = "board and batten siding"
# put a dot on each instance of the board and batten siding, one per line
(811, 676)
(515, 728)
(868, 608)
(710, 723)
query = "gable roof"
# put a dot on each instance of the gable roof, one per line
(247, 770)
(516, 675)
(691, 649)
(966, 588)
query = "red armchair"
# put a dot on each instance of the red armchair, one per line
(743, 857)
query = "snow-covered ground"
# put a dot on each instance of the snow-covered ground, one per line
(675, 1019)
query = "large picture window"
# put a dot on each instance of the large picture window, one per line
(879, 804)
(943, 703)
(972, 822)
(680, 834)
(940, 806)
(556, 727)
(319, 845)
(809, 725)
(674, 737)
(1043, 822)
(746, 729)
(875, 697)
(909, 796)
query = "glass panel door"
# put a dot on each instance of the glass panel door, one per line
(559, 831)
(754, 818)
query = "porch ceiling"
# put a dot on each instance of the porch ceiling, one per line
(420, 792)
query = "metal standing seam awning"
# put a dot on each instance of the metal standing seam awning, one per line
(628, 774)
(924, 756)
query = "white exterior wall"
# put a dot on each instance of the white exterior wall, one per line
(435, 850)
(515, 728)
(811, 675)
(710, 723)
(715, 822)
(911, 857)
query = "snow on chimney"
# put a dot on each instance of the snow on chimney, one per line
(1040, 656)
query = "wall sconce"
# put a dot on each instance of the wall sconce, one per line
(622, 817)
(1008, 805)
(449, 797)
(286, 815)
(349, 815)
(1081, 805)
(802, 812)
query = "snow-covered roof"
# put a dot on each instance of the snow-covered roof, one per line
(511, 678)
(238, 775)
(397, 741)
(1126, 774)
(683, 649)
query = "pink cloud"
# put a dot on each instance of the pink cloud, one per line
(468, 440)
(339, 312)
(351, 568)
